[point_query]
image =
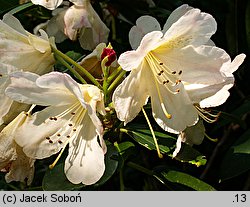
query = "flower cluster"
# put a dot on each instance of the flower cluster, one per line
(43, 112)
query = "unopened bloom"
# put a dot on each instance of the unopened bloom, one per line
(70, 118)
(92, 62)
(177, 68)
(13, 161)
(79, 22)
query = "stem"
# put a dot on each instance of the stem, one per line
(116, 81)
(153, 134)
(77, 75)
(112, 75)
(69, 60)
(140, 168)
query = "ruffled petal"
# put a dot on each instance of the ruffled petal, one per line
(175, 16)
(194, 27)
(23, 88)
(144, 25)
(130, 96)
(85, 162)
(132, 59)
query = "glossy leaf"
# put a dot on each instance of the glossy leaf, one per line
(177, 177)
(237, 159)
(144, 138)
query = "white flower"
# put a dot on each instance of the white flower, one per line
(176, 67)
(81, 22)
(191, 135)
(70, 118)
(18, 166)
(49, 4)
(20, 50)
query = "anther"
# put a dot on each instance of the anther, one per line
(68, 136)
(174, 72)
(74, 129)
(161, 63)
(55, 118)
(48, 138)
(178, 90)
(73, 113)
(50, 141)
(58, 135)
(166, 81)
(1, 75)
(180, 72)
(60, 142)
(70, 124)
(51, 118)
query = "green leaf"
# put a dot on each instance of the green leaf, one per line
(55, 179)
(191, 155)
(237, 159)
(177, 177)
(144, 138)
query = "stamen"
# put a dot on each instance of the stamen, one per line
(58, 157)
(174, 72)
(206, 115)
(180, 72)
(153, 134)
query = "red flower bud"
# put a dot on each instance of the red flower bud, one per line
(110, 53)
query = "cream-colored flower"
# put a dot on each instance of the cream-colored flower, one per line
(49, 4)
(69, 119)
(13, 161)
(177, 68)
(81, 22)
(20, 50)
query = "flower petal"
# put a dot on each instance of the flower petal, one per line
(24, 89)
(40, 134)
(130, 96)
(175, 16)
(49, 4)
(85, 162)
(144, 25)
(132, 59)
(194, 27)
(179, 106)
(14, 23)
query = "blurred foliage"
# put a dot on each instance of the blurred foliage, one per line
(132, 161)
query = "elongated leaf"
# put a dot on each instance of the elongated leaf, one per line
(186, 180)
(144, 138)
(237, 159)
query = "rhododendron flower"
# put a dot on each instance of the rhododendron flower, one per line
(70, 119)
(13, 161)
(49, 4)
(20, 50)
(178, 68)
(80, 22)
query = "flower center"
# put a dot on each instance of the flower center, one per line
(163, 76)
